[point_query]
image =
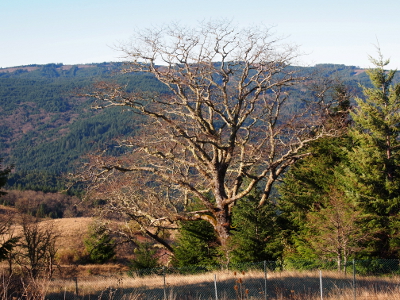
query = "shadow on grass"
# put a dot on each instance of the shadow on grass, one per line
(240, 287)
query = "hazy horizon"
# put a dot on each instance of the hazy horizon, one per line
(87, 31)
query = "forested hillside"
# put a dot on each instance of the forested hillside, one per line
(46, 127)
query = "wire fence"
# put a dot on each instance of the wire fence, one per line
(374, 279)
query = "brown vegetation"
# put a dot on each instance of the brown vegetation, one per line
(42, 204)
(280, 286)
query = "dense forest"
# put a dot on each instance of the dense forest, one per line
(46, 127)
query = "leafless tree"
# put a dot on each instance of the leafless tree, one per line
(335, 231)
(37, 248)
(228, 125)
(8, 239)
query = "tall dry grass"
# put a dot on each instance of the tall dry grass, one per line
(16, 287)
(286, 285)
(280, 286)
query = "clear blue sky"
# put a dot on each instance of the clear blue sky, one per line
(85, 31)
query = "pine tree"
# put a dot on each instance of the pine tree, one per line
(307, 188)
(256, 235)
(4, 172)
(197, 245)
(99, 244)
(7, 244)
(309, 185)
(372, 177)
(145, 260)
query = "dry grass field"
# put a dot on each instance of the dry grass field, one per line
(230, 285)
(110, 281)
(70, 247)
(72, 232)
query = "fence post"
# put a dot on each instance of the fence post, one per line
(215, 286)
(165, 285)
(76, 286)
(265, 280)
(354, 279)
(320, 285)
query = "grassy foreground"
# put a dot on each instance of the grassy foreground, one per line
(228, 285)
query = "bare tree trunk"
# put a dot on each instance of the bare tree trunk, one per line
(339, 262)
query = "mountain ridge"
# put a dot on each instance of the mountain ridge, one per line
(45, 126)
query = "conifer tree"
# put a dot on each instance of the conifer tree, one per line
(308, 184)
(196, 245)
(7, 244)
(372, 177)
(362, 166)
(145, 259)
(305, 192)
(256, 236)
(4, 172)
(99, 244)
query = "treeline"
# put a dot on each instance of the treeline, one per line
(45, 205)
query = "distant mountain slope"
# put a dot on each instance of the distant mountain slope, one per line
(46, 127)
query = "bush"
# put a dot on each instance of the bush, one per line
(68, 256)
(377, 267)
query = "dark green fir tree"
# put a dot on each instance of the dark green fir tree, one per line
(145, 261)
(310, 185)
(372, 176)
(7, 244)
(99, 244)
(255, 234)
(196, 245)
(4, 172)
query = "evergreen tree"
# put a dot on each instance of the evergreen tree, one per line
(309, 185)
(255, 232)
(145, 259)
(196, 245)
(362, 167)
(307, 188)
(4, 172)
(7, 244)
(99, 244)
(372, 177)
